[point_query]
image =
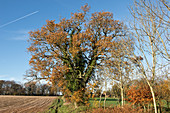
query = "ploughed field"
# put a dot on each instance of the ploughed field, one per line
(25, 104)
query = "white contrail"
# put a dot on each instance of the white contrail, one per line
(18, 19)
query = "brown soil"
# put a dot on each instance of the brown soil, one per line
(25, 104)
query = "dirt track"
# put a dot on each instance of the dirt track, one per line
(24, 104)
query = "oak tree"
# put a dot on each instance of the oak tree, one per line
(67, 52)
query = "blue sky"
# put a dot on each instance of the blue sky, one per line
(18, 17)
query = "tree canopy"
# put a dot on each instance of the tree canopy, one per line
(67, 52)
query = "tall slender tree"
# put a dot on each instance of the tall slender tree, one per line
(151, 30)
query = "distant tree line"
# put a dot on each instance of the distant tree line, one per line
(30, 88)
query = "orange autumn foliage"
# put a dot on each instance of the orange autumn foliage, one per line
(66, 53)
(139, 94)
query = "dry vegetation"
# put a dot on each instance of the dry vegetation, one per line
(24, 104)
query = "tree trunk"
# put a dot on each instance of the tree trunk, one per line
(160, 111)
(153, 96)
(100, 99)
(105, 101)
(122, 97)
(144, 108)
(152, 91)
(122, 94)
(75, 104)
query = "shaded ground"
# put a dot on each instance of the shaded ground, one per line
(25, 104)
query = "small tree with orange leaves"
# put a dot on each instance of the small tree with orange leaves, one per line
(67, 52)
(139, 93)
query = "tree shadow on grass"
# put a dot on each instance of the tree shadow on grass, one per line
(108, 99)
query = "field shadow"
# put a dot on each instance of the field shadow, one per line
(108, 99)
